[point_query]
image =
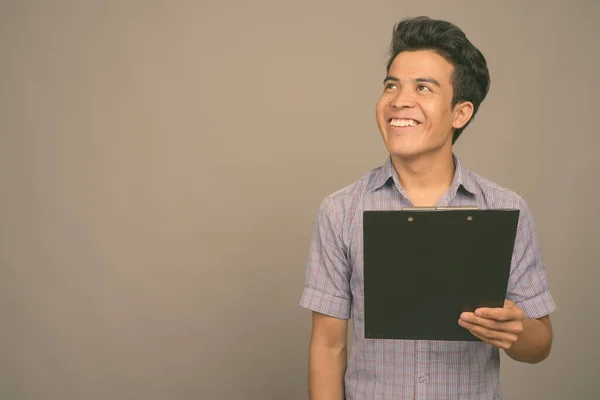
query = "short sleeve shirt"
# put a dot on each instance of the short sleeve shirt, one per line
(414, 369)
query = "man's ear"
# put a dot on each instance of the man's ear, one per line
(463, 112)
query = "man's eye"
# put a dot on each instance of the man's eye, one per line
(390, 86)
(422, 88)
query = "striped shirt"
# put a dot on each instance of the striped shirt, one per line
(413, 369)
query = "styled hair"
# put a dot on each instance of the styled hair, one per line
(470, 78)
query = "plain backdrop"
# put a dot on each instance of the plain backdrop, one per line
(161, 163)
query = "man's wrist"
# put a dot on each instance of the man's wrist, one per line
(534, 343)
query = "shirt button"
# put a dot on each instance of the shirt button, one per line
(421, 378)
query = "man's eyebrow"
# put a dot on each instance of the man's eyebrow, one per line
(417, 80)
(428, 80)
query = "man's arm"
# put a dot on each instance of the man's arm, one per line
(327, 357)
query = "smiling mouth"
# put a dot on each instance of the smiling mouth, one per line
(403, 122)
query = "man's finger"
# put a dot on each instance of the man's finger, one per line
(476, 320)
(490, 334)
(498, 314)
(506, 326)
(493, 342)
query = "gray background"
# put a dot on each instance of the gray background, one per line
(161, 164)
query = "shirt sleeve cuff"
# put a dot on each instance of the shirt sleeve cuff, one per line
(325, 304)
(538, 306)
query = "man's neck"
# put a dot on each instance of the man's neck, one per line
(426, 178)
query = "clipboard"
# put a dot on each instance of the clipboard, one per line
(424, 266)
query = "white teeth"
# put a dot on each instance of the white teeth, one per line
(403, 122)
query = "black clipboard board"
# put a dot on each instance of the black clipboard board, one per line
(423, 267)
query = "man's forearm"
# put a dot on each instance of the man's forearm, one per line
(534, 343)
(326, 372)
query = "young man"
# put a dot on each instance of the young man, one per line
(436, 80)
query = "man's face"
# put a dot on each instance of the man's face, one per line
(415, 114)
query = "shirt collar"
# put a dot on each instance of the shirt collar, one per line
(462, 176)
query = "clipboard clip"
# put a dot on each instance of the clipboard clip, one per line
(441, 208)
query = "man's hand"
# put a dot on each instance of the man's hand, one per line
(500, 327)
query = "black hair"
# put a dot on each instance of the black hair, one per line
(470, 79)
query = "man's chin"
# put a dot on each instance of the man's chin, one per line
(405, 153)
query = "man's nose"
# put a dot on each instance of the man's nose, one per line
(403, 99)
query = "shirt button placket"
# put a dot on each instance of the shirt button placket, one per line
(421, 370)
